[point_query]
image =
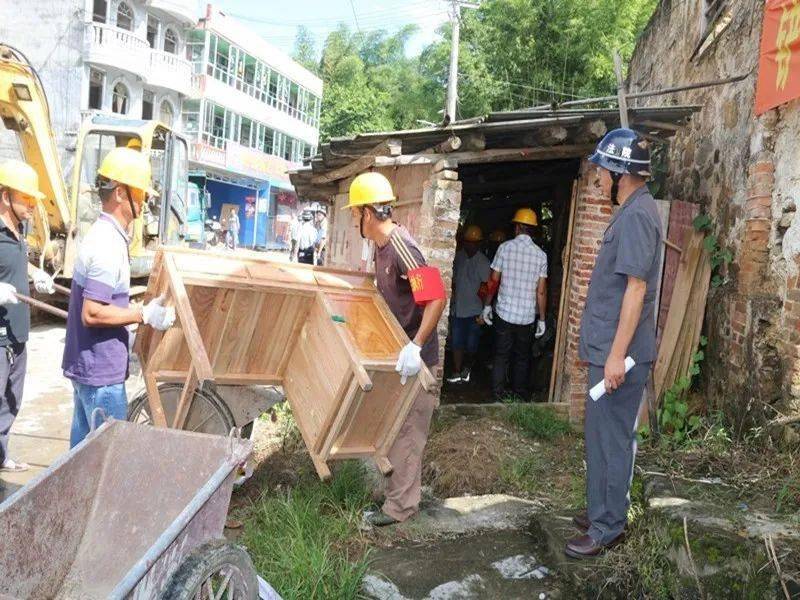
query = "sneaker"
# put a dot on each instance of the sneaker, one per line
(9, 466)
(465, 375)
(454, 378)
(379, 519)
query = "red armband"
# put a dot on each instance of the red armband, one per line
(488, 289)
(426, 284)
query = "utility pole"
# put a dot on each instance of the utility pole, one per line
(622, 91)
(452, 79)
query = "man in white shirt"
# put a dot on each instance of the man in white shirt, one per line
(519, 270)
(470, 270)
(306, 239)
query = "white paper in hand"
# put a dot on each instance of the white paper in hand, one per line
(600, 388)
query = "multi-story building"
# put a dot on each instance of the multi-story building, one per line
(123, 57)
(249, 111)
(254, 115)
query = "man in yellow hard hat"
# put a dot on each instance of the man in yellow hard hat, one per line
(497, 237)
(519, 272)
(370, 201)
(470, 270)
(19, 195)
(96, 347)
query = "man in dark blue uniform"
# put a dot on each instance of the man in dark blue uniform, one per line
(618, 321)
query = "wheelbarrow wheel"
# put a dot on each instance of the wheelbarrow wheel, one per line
(216, 569)
(207, 414)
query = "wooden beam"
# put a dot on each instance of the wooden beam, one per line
(226, 379)
(188, 323)
(391, 147)
(491, 156)
(451, 144)
(185, 401)
(659, 125)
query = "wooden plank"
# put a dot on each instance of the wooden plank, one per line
(680, 227)
(360, 164)
(680, 299)
(348, 342)
(343, 412)
(185, 400)
(154, 403)
(200, 359)
(561, 323)
(491, 156)
(384, 466)
(400, 419)
(354, 452)
(227, 379)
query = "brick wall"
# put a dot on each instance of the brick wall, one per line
(592, 214)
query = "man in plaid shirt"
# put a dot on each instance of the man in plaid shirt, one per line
(520, 270)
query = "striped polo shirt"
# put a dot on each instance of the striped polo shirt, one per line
(98, 356)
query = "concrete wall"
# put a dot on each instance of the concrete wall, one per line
(743, 170)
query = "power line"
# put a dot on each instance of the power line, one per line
(355, 16)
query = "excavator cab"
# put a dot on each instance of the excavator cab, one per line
(164, 218)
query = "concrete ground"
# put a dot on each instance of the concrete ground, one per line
(41, 431)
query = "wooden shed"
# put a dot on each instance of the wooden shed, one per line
(479, 172)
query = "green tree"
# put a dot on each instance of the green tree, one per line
(305, 50)
(513, 54)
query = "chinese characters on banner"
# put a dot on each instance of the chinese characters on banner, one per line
(779, 63)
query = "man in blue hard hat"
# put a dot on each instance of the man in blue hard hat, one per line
(618, 321)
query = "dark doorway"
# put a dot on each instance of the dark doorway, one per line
(492, 193)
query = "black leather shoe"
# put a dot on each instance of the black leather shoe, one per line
(585, 547)
(581, 521)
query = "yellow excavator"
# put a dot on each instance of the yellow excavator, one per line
(67, 212)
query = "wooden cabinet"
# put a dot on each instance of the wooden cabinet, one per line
(326, 336)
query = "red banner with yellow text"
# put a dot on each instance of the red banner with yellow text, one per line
(779, 63)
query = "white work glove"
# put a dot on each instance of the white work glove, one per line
(158, 316)
(43, 282)
(487, 315)
(7, 292)
(409, 362)
(540, 329)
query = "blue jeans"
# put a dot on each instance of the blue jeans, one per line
(112, 399)
(466, 334)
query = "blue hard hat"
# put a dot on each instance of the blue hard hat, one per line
(623, 151)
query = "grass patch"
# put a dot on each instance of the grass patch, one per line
(306, 541)
(537, 422)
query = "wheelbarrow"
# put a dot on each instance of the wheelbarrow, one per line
(131, 512)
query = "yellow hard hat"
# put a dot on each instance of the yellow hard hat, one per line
(20, 176)
(128, 167)
(525, 216)
(498, 235)
(370, 188)
(473, 233)
(134, 144)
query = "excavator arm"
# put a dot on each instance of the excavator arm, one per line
(24, 110)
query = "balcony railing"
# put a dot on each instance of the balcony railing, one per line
(115, 47)
(170, 71)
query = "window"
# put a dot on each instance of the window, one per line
(124, 17)
(148, 101)
(170, 41)
(714, 19)
(120, 99)
(99, 11)
(166, 114)
(191, 116)
(152, 31)
(244, 132)
(96, 83)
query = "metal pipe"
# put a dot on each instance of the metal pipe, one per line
(647, 94)
(171, 533)
(42, 305)
(61, 289)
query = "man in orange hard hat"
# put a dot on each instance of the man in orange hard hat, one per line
(470, 269)
(370, 201)
(519, 275)
(19, 195)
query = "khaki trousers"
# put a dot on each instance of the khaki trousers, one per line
(404, 485)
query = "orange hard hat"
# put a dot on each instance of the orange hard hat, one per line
(498, 235)
(525, 216)
(473, 233)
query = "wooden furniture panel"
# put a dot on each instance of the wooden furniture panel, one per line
(325, 335)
